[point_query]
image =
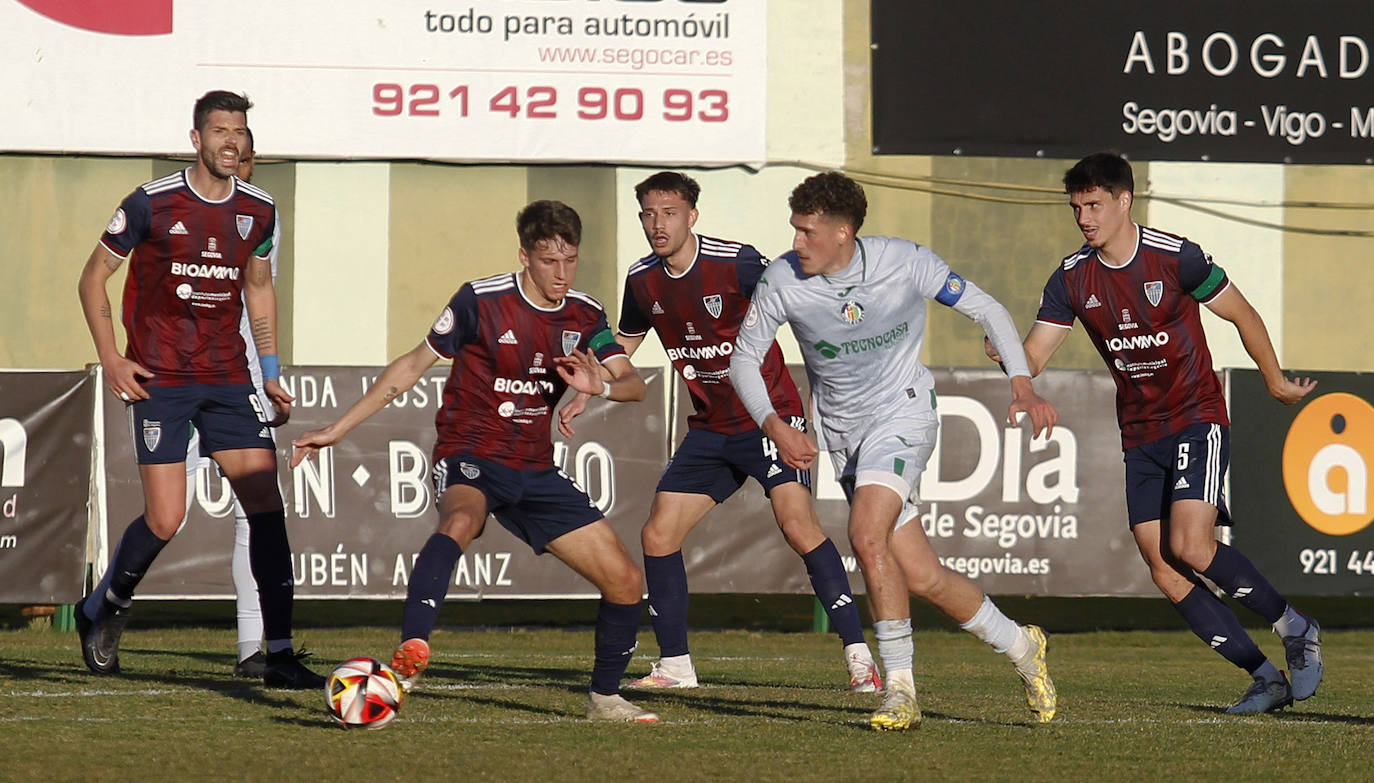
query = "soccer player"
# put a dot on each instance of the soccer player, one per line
(693, 291)
(1136, 290)
(517, 341)
(200, 242)
(857, 307)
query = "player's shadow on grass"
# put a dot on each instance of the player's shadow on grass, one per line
(1289, 715)
(745, 706)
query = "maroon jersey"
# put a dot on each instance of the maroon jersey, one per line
(501, 392)
(183, 297)
(697, 315)
(1144, 319)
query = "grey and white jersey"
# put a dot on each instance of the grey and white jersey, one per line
(860, 332)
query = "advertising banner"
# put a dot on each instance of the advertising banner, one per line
(1273, 81)
(45, 478)
(1021, 516)
(1300, 489)
(358, 514)
(665, 81)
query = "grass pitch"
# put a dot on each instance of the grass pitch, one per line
(507, 705)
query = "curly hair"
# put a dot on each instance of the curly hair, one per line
(670, 182)
(832, 194)
(548, 220)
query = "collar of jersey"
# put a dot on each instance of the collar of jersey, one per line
(233, 188)
(690, 267)
(863, 265)
(1138, 236)
(521, 290)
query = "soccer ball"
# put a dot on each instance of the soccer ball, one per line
(363, 693)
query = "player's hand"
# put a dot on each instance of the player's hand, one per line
(1292, 390)
(1042, 414)
(571, 410)
(993, 354)
(280, 400)
(309, 443)
(581, 371)
(122, 374)
(795, 447)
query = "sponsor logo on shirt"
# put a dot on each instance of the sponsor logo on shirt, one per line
(1126, 322)
(178, 228)
(1137, 341)
(518, 386)
(508, 338)
(211, 249)
(216, 271)
(887, 339)
(701, 351)
(1092, 302)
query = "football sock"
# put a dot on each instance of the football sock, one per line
(616, 628)
(998, 631)
(894, 644)
(136, 551)
(1217, 626)
(247, 608)
(269, 557)
(1268, 672)
(428, 585)
(831, 584)
(1291, 623)
(666, 578)
(1234, 573)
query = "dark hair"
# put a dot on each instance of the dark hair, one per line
(217, 100)
(1106, 170)
(548, 220)
(251, 148)
(670, 182)
(832, 194)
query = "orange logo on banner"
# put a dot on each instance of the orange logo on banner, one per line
(1326, 463)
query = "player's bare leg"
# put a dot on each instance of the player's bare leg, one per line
(963, 601)
(872, 514)
(597, 553)
(796, 516)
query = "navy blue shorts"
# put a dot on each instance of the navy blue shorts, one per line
(1188, 465)
(227, 417)
(709, 463)
(537, 506)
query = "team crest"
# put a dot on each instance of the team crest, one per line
(152, 434)
(245, 224)
(570, 341)
(469, 470)
(851, 312)
(712, 303)
(1154, 291)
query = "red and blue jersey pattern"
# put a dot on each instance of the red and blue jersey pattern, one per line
(697, 316)
(183, 296)
(1145, 321)
(501, 392)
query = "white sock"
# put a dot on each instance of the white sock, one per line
(901, 680)
(858, 650)
(677, 664)
(998, 631)
(1291, 623)
(247, 608)
(894, 644)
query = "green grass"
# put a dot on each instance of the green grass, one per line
(507, 705)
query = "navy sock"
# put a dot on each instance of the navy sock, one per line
(616, 628)
(428, 585)
(1233, 572)
(269, 557)
(831, 584)
(667, 580)
(136, 551)
(1215, 623)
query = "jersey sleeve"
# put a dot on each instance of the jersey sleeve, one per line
(633, 321)
(599, 340)
(265, 247)
(933, 277)
(456, 326)
(1202, 279)
(765, 315)
(1054, 302)
(749, 268)
(129, 225)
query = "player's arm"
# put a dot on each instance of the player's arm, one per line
(121, 373)
(1232, 306)
(260, 298)
(586, 374)
(761, 322)
(395, 380)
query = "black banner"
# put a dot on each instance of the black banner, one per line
(45, 480)
(1267, 81)
(1300, 488)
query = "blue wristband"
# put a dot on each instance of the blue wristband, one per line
(271, 370)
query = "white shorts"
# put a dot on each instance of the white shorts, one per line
(892, 454)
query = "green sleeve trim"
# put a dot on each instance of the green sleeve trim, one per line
(264, 248)
(600, 340)
(1209, 286)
